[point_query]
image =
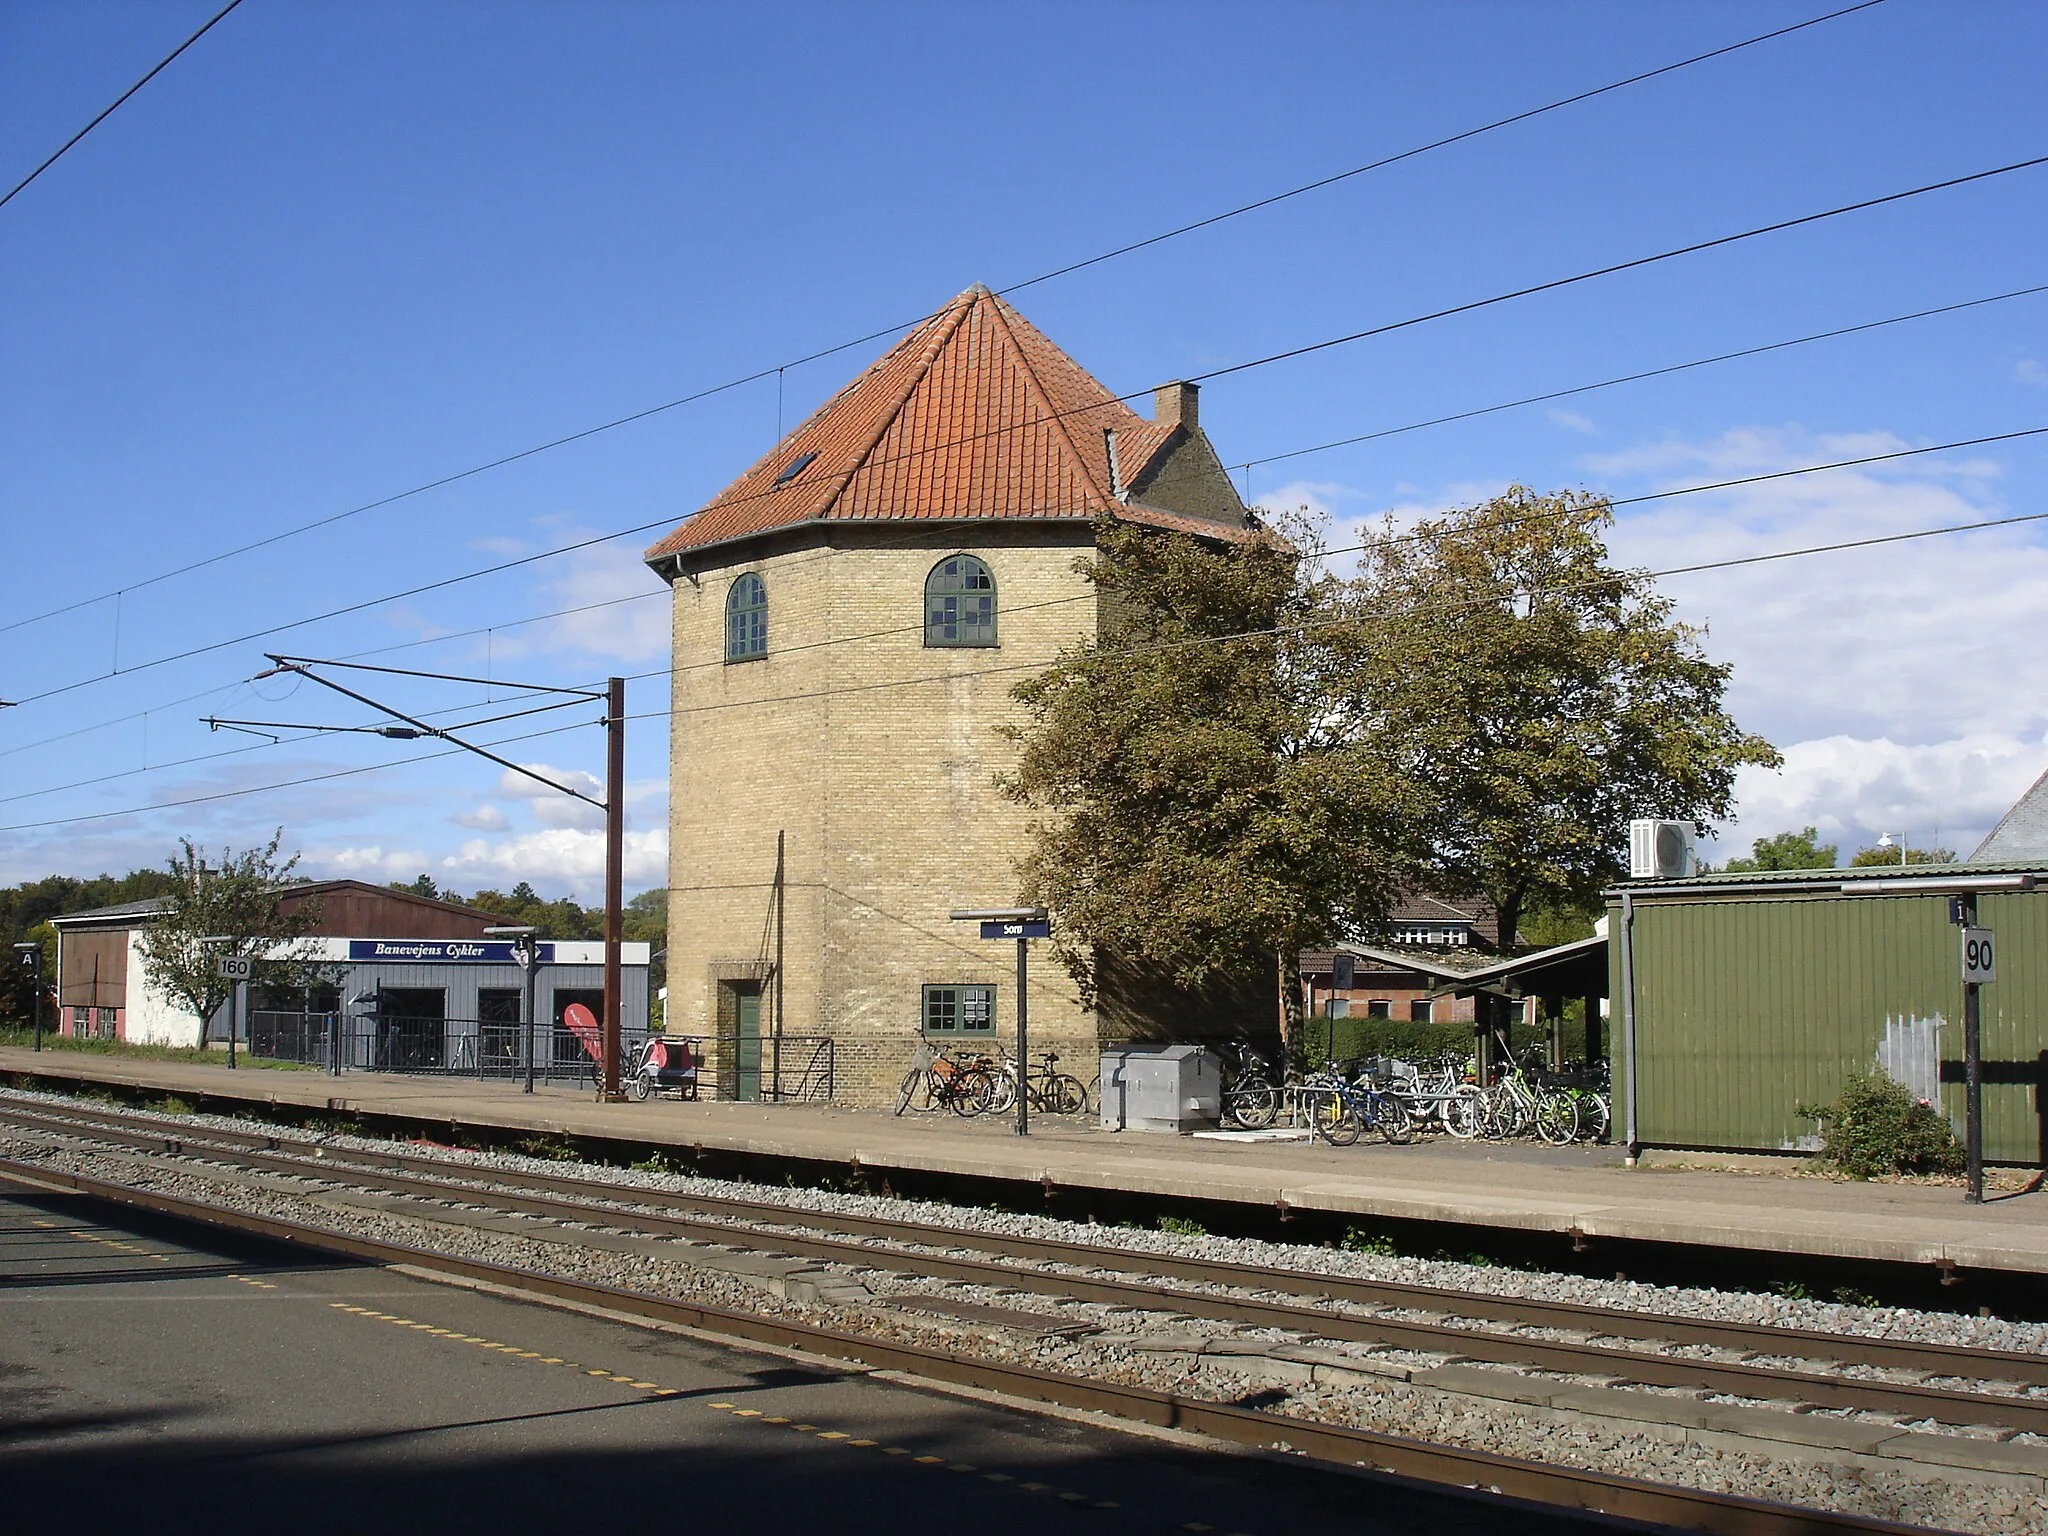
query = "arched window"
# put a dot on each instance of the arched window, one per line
(746, 619)
(960, 603)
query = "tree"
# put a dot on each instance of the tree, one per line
(1786, 850)
(239, 900)
(423, 886)
(1542, 696)
(646, 917)
(1198, 810)
(1871, 858)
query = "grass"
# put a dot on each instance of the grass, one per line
(1179, 1226)
(129, 1049)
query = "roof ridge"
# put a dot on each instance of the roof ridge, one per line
(1057, 417)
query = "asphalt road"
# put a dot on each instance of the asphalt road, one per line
(153, 1380)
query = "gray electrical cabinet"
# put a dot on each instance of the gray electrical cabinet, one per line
(1176, 1088)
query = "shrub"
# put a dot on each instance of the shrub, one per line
(1875, 1127)
(1365, 1240)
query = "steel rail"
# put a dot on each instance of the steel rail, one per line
(1628, 1365)
(1960, 1361)
(1451, 1470)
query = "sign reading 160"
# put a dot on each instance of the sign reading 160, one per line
(1979, 961)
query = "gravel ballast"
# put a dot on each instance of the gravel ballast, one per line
(1909, 1493)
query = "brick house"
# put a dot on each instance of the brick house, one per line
(849, 617)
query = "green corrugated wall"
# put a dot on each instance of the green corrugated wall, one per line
(1748, 1007)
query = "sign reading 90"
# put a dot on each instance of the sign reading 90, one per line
(1979, 959)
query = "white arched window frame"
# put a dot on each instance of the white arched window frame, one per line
(746, 619)
(960, 603)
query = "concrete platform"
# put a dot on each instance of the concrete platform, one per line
(1534, 1189)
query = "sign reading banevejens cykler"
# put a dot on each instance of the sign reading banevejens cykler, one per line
(1042, 929)
(442, 951)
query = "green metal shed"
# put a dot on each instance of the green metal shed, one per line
(1740, 998)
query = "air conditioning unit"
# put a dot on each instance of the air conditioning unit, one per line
(1661, 850)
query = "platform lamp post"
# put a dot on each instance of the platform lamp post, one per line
(526, 951)
(1022, 924)
(412, 728)
(30, 958)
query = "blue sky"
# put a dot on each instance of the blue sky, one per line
(336, 251)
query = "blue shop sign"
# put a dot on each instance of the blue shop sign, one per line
(442, 951)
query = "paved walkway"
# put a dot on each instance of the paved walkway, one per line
(1524, 1188)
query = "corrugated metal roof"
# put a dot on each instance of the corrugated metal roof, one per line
(974, 414)
(1831, 879)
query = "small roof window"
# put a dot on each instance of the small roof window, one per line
(795, 467)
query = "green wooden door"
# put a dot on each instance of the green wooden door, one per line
(747, 1048)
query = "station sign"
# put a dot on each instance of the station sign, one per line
(443, 951)
(1041, 929)
(1980, 959)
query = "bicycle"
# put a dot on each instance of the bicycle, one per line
(1251, 1099)
(1340, 1111)
(1048, 1091)
(965, 1086)
(1442, 1097)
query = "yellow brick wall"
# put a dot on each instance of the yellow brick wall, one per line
(876, 756)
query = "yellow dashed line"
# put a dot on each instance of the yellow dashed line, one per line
(780, 1421)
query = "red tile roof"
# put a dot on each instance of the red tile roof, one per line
(974, 414)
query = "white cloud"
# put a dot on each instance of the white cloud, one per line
(517, 786)
(1907, 678)
(375, 863)
(1918, 642)
(2031, 370)
(1572, 421)
(550, 807)
(556, 857)
(1853, 790)
(626, 612)
(1319, 498)
(485, 818)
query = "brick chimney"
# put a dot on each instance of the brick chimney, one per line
(1177, 403)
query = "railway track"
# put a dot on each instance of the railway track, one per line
(1949, 1384)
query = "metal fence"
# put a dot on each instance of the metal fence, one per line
(781, 1069)
(479, 1048)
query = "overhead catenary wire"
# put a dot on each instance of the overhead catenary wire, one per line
(778, 370)
(115, 105)
(1269, 359)
(1465, 415)
(1005, 668)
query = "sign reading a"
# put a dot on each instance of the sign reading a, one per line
(235, 967)
(1042, 929)
(1980, 962)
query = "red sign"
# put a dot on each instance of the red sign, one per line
(582, 1023)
